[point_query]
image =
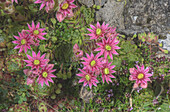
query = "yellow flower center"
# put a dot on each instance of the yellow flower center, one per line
(77, 53)
(108, 47)
(44, 74)
(140, 76)
(36, 32)
(98, 31)
(87, 77)
(23, 41)
(93, 63)
(36, 62)
(65, 6)
(106, 71)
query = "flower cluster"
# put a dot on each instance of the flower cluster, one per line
(94, 65)
(65, 8)
(29, 37)
(39, 65)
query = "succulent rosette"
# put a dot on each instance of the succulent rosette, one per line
(107, 47)
(92, 62)
(45, 75)
(152, 38)
(98, 31)
(141, 76)
(107, 71)
(48, 3)
(87, 78)
(36, 32)
(36, 61)
(23, 41)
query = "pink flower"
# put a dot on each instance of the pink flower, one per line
(15, 1)
(87, 78)
(111, 32)
(75, 47)
(60, 17)
(71, 14)
(92, 63)
(140, 75)
(36, 61)
(36, 32)
(48, 3)
(23, 41)
(78, 53)
(107, 47)
(107, 71)
(98, 31)
(66, 7)
(46, 74)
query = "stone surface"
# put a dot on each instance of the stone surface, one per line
(165, 42)
(148, 14)
(100, 2)
(112, 13)
(88, 3)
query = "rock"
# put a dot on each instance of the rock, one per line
(100, 2)
(112, 13)
(165, 42)
(88, 3)
(152, 14)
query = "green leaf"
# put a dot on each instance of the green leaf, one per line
(24, 99)
(54, 39)
(98, 7)
(164, 108)
(42, 48)
(53, 20)
(132, 57)
(117, 62)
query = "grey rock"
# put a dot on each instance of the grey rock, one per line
(112, 13)
(100, 2)
(166, 42)
(151, 14)
(88, 3)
